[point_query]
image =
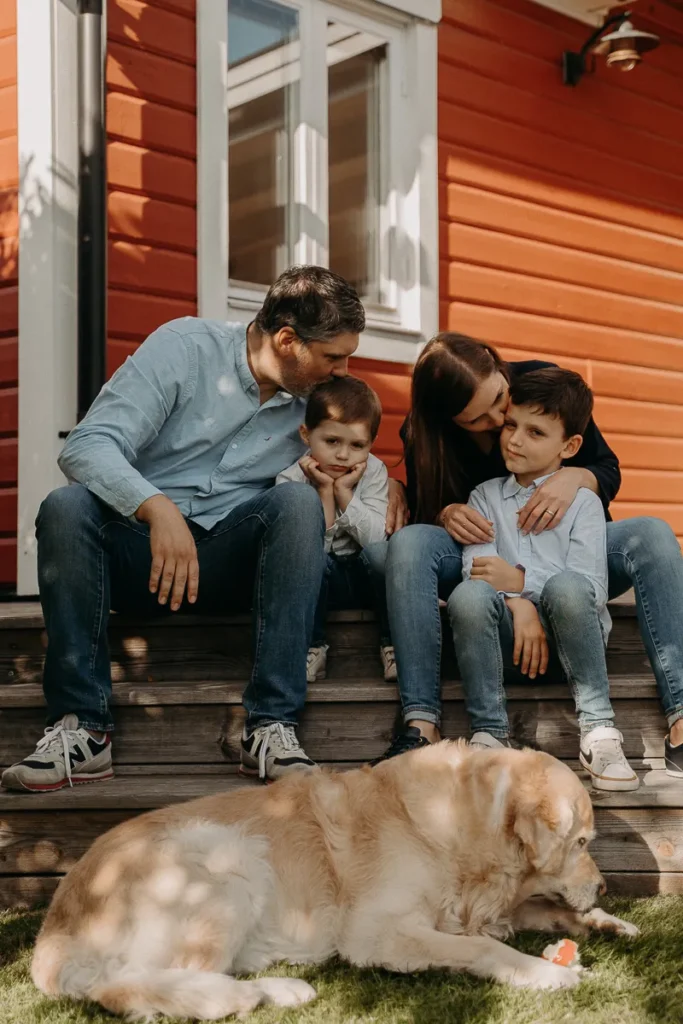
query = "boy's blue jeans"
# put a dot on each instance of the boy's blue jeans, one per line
(423, 563)
(266, 554)
(349, 582)
(483, 634)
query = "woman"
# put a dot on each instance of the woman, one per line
(459, 399)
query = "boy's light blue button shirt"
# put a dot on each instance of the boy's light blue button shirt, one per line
(578, 542)
(183, 417)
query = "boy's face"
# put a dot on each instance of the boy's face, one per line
(533, 443)
(338, 447)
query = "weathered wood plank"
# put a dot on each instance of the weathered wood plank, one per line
(30, 695)
(26, 891)
(331, 731)
(641, 883)
(639, 839)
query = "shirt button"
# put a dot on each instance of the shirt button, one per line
(234, 445)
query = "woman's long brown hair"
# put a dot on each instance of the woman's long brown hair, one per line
(445, 379)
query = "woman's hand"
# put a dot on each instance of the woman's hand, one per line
(499, 573)
(531, 646)
(397, 510)
(549, 502)
(466, 525)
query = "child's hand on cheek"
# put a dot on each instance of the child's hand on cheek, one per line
(344, 485)
(312, 471)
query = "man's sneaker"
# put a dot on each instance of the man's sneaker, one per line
(388, 656)
(485, 741)
(673, 759)
(66, 756)
(600, 754)
(272, 751)
(316, 663)
(409, 739)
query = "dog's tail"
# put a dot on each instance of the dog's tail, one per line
(60, 968)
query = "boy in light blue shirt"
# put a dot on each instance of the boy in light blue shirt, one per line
(525, 596)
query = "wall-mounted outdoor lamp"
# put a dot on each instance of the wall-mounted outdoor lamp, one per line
(624, 48)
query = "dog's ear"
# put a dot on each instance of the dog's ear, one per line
(542, 826)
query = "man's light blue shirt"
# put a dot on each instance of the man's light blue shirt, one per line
(577, 543)
(182, 417)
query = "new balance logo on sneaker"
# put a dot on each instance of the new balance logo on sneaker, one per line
(67, 755)
(272, 751)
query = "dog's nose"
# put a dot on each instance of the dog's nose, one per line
(603, 886)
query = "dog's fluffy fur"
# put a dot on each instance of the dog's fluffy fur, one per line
(427, 860)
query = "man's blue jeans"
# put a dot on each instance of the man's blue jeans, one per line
(483, 633)
(266, 554)
(423, 563)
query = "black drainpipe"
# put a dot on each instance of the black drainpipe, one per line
(92, 205)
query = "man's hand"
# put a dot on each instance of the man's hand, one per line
(397, 510)
(344, 485)
(174, 553)
(549, 502)
(531, 646)
(499, 573)
(466, 525)
(312, 471)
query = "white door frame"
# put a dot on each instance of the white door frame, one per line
(47, 84)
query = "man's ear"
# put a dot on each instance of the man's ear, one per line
(571, 446)
(284, 341)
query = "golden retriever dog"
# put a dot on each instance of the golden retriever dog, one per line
(427, 860)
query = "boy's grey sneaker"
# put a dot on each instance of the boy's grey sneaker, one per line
(67, 755)
(388, 656)
(673, 759)
(316, 663)
(272, 751)
(485, 741)
(600, 754)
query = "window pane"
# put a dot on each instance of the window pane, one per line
(263, 72)
(356, 192)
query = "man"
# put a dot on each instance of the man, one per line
(173, 504)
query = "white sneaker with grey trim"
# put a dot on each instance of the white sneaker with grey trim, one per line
(485, 741)
(273, 751)
(600, 754)
(67, 755)
(316, 663)
(388, 656)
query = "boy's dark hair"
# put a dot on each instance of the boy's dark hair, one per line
(344, 400)
(556, 392)
(316, 303)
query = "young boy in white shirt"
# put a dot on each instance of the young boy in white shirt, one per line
(340, 426)
(525, 596)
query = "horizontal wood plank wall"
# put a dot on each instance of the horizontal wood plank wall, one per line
(9, 309)
(561, 220)
(152, 155)
(391, 381)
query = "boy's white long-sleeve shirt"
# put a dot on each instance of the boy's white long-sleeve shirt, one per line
(577, 543)
(364, 520)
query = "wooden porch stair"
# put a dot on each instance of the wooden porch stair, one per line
(177, 694)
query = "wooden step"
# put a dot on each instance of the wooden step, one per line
(639, 846)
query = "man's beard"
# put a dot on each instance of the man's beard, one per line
(297, 384)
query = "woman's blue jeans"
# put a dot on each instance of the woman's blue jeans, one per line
(423, 563)
(483, 633)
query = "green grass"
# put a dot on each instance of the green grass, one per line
(637, 982)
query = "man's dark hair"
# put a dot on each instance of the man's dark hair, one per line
(316, 303)
(344, 400)
(556, 392)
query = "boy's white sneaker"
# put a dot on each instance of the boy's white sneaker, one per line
(485, 741)
(316, 663)
(601, 754)
(388, 656)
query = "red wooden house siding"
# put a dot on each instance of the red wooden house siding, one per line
(562, 220)
(9, 311)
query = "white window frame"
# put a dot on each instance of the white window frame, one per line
(395, 333)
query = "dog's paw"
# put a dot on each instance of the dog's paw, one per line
(600, 921)
(286, 991)
(546, 976)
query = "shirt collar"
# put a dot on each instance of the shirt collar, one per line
(242, 363)
(511, 487)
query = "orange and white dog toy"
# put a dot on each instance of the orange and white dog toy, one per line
(565, 953)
